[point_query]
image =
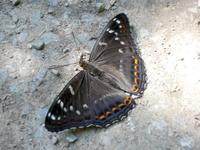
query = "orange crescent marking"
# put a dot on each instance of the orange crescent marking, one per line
(127, 100)
(114, 109)
(101, 117)
(135, 88)
(108, 113)
(136, 73)
(136, 67)
(121, 105)
(136, 61)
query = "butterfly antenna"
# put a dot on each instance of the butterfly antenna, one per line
(75, 40)
(58, 66)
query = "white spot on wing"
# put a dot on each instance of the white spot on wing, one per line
(123, 117)
(58, 102)
(120, 50)
(121, 68)
(116, 33)
(61, 104)
(58, 118)
(65, 109)
(71, 108)
(115, 121)
(122, 43)
(116, 38)
(120, 26)
(121, 65)
(78, 112)
(134, 96)
(118, 22)
(49, 114)
(71, 90)
(89, 125)
(98, 126)
(102, 43)
(114, 19)
(107, 125)
(85, 106)
(110, 31)
(53, 117)
(128, 94)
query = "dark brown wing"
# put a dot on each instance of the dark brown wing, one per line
(116, 53)
(86, 101)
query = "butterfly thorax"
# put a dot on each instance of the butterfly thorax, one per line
(97, 72)
(89, 67)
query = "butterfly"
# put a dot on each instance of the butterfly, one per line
(105, 90)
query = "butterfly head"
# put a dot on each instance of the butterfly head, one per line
(83, 60)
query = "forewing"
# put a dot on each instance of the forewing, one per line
(86, 101)
(116, 53)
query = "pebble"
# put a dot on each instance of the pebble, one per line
(71, 138)
(100, 7)
(66, 4)
(29, 45)
(16, 2)
(51, 11)
(38, 45)
(55, 72)
(65, 50)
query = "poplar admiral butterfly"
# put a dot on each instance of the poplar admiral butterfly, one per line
(105, 90)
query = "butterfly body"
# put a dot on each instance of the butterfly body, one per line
(104, 91)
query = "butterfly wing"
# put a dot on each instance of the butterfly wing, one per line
(86, 101)
(116, 53)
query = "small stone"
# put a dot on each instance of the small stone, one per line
(55, 72)
(29, 45)
(66, 4)
(100, 7)
(71, 138)
(38, 45)
(16, 2)
(54, 140)
(51, 11)
(65, 50)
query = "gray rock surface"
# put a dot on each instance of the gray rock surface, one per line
(168, 35)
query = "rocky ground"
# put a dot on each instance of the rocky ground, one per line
(36, 34)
